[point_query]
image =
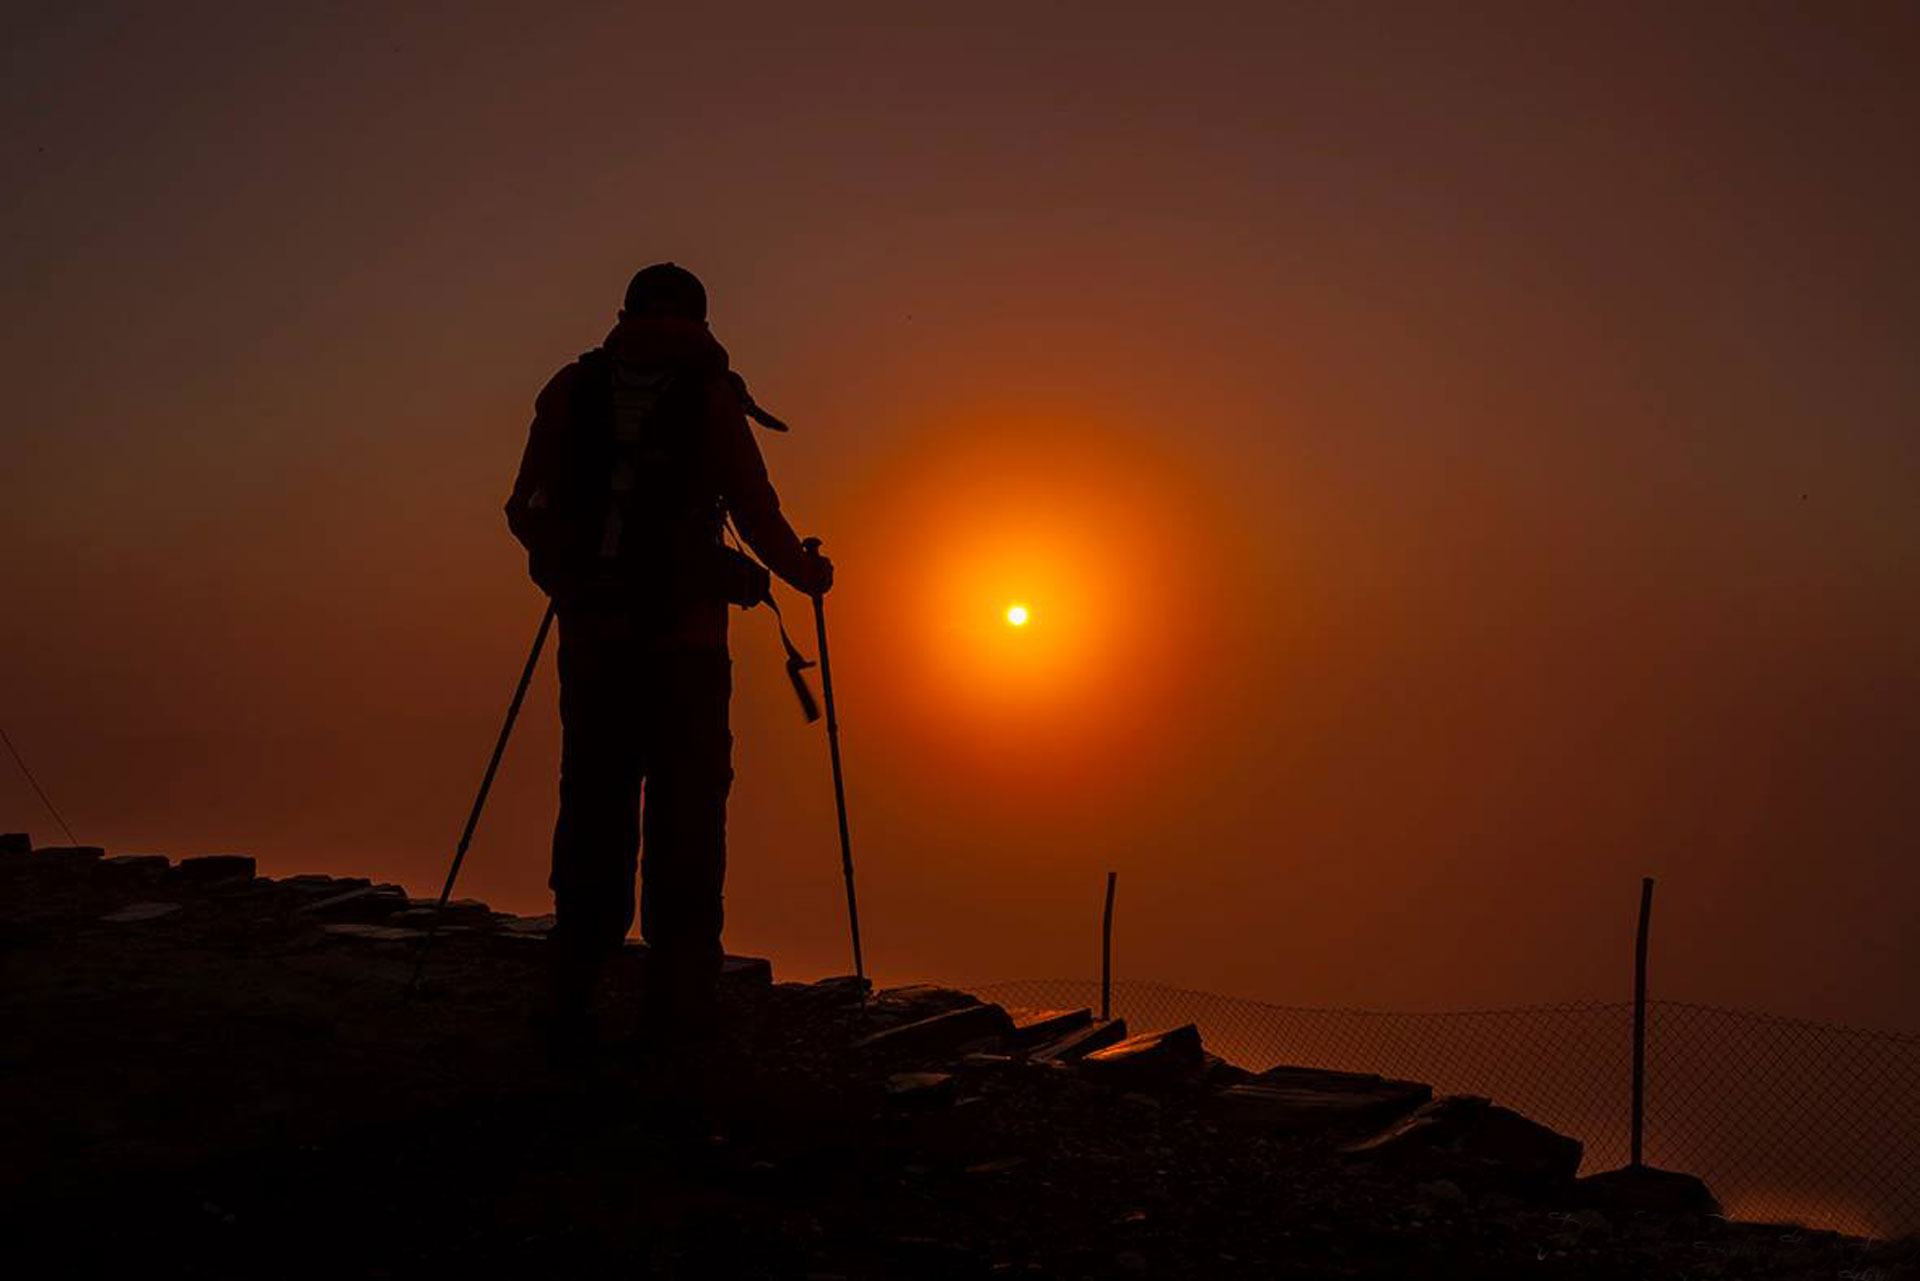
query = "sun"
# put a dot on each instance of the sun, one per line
(1017, 615)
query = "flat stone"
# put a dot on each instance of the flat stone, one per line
(78, 853)
(922, 1089)
(1037, 1027)
(215, 867)
(534, 926)
(985, 1061)
(1148, 1060)
(1648, 1188)
(941, 1035)
(462, 906)
(312, 883)
(841, 987)
(378, 933)
(466, 917)
(1300, 1100)
(1466, 1138)
(141, 912)
(15, 843)
(918, 1001)
(747, 971)
(140, 862)
(1216, 1073)
(1097, 1035)
(369, 903)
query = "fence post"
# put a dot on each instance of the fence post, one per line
(1640, 1022)
(1106, 952)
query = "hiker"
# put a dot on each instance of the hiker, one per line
(638, 453)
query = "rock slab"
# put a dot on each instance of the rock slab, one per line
(215, 867)
(1648, 1188)
(1097, 1035)
(133, 912)
(1468, 1139)
(1290, 1100)
(1150, 1060)
(940, 1034)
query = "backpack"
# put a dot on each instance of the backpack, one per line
(612, 505)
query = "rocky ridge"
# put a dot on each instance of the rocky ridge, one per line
(206, 1065)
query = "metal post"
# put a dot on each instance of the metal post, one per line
(1106, 952)
(1640, 1021)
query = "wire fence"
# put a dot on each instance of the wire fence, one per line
(1787, 1120)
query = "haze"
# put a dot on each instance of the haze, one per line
(1458, 464)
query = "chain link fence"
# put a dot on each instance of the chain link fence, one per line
(1787, 1120)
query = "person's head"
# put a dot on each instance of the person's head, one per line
(666, 289)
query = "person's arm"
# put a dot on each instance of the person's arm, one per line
(750, 497)
(533, 513)
(541, 461)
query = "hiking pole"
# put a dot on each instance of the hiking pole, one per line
(479, 802)
(812, 545)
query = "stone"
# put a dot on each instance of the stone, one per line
(215, 867)
(15, 843)
(1149, 1060)
(140, 862)
(1304, 1100)
(77, 853)
(455, 906)
(1442, 1192)
(940, 1035)
(840, 987)
(1097, 1035)
(535, 926)
(1216, 1073)
(377, 933)
(311, 883)
(1466, 1138)
(464, 912)
(1648, 1188)
(141, 912)
(919, 1000)
(368, 904)
(746, 971)
(922, 1089)
(985, 1061)
(1036, 1027)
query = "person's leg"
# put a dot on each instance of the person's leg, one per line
(689, 767)
(596, 838)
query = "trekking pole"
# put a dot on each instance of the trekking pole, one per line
(812, 545)
(479, 802)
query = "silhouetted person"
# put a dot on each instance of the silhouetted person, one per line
(638, 452)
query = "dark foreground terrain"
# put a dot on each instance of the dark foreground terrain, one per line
(206, 1073)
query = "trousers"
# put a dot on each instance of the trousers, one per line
(642, 717)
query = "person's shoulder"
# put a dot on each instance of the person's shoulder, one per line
(569, 379)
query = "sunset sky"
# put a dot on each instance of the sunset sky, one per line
(1456, 463)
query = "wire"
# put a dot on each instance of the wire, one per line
(37, 788)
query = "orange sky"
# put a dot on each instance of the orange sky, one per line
(1457, 466)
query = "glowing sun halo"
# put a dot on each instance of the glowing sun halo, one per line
(1017, 615)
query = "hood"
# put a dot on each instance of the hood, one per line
(665, 340)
